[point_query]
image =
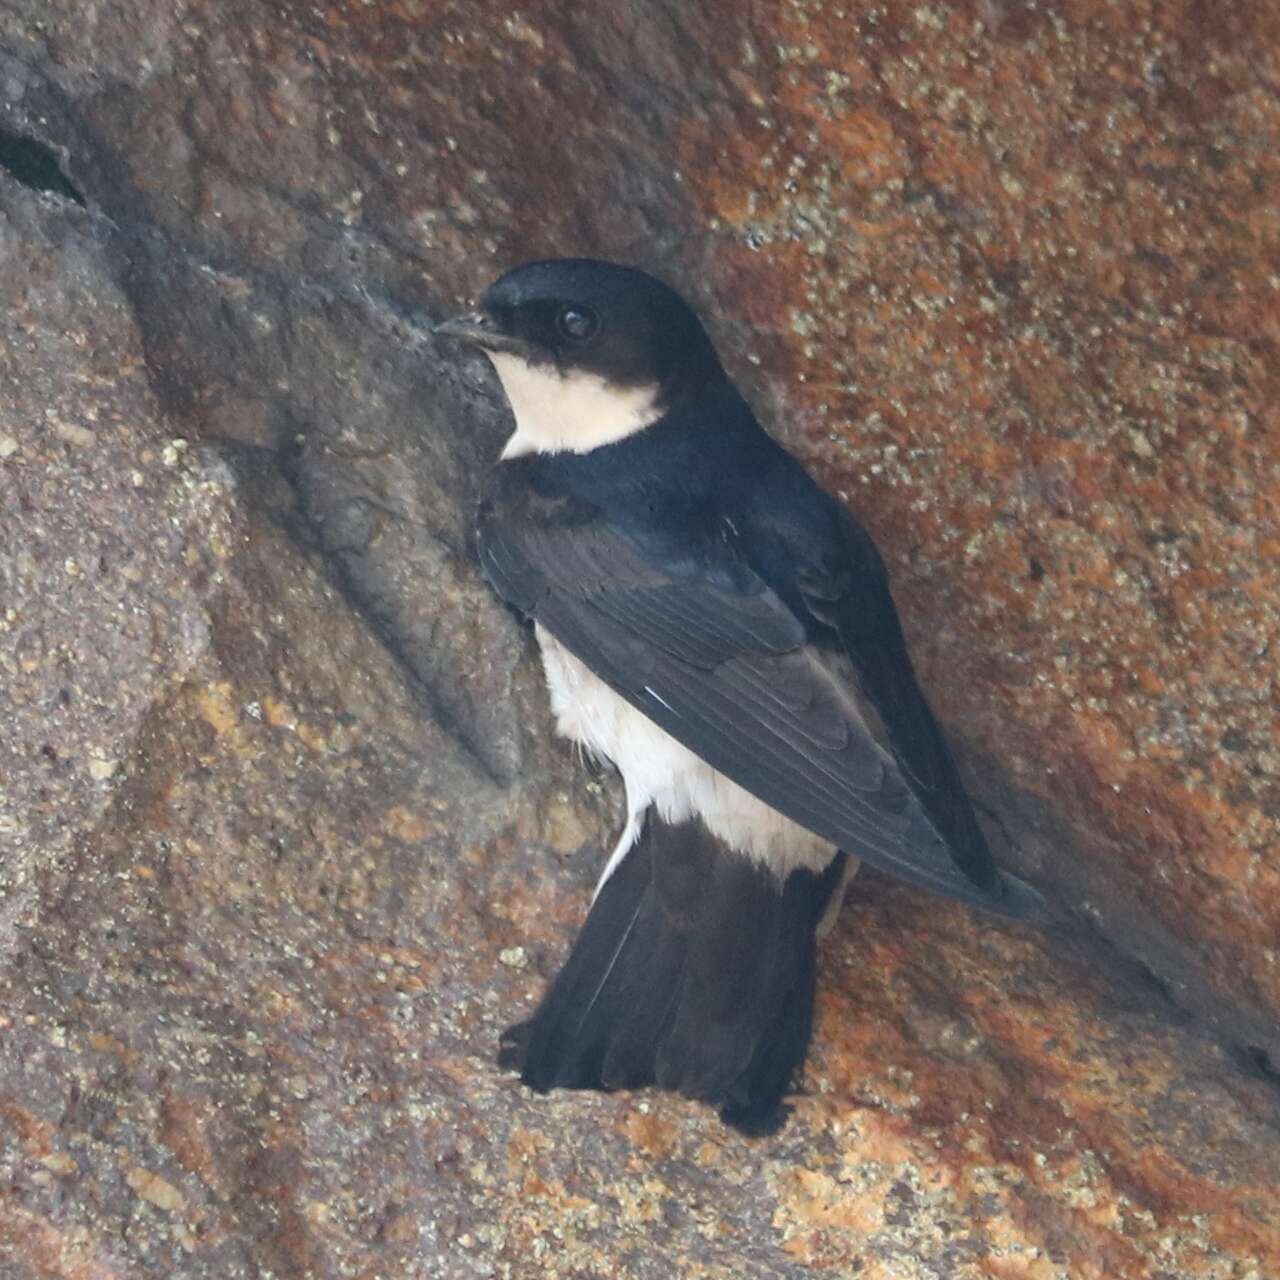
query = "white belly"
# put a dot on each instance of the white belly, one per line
(658, 771)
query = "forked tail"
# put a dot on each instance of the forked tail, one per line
(694, 971)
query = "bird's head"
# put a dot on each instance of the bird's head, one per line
(587, 352)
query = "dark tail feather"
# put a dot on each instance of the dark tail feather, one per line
(694, 971)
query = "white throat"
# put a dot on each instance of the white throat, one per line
(572, 412)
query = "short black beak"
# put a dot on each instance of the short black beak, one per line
(474, 326)
(479, 329)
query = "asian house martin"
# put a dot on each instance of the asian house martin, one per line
(721, 630)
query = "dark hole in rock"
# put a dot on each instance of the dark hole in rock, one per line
(35, 165)
(1261, 1061)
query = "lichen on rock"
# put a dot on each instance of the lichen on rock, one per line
(284, 837)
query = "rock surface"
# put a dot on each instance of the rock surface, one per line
(283, 841)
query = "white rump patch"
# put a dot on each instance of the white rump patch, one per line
(657, 770)
(568, 413)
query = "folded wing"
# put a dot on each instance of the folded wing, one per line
(706, 649)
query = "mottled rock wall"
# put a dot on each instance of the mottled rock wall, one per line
(283, 842)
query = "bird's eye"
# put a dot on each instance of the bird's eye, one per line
(578, 324)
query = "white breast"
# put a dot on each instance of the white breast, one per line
(657, 770)
(571, 412)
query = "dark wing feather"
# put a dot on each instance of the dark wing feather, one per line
(852, 597)
(706, 649)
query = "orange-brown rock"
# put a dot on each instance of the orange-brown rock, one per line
(283, 839)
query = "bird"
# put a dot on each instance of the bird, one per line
(721, 630)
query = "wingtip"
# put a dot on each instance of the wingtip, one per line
(1019, 900)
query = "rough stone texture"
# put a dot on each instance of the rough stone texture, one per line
(277, 858)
